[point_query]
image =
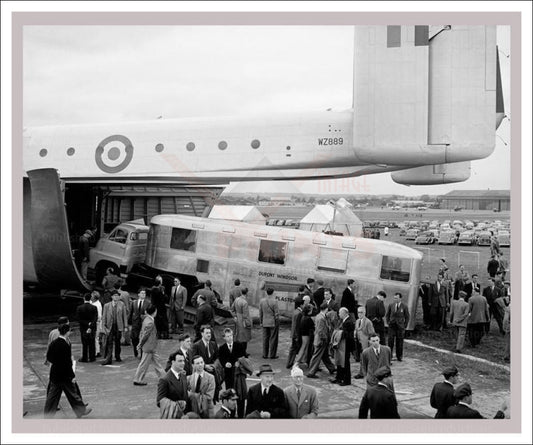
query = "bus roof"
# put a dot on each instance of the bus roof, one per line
(278, 233)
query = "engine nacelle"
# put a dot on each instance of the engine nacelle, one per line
(433, 174)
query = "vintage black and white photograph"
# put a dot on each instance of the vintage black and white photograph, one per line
(267, 221)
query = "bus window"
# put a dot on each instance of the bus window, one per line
(183, 239)
(395, 269)
(334, 260)
(272, 252)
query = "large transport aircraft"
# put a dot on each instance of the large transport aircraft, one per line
(427, 100)
(198, 249)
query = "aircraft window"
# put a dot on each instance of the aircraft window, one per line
(159, 148)
(43, 152)
(395, 269)
(256, 143)
(71, 151)
(183, 239)
(119, 236)
(272, 252)
(191, 146)
(288, 147)
(222, 145)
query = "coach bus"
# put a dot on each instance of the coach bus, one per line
(197, 249)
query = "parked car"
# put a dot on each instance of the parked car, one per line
(483, 238)
(447, 237)
(466, 237)
(427, 237)
(504, 238)
(403, 232)
(411, 234)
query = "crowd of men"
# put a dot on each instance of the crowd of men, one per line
(203, 372)
(462, 302)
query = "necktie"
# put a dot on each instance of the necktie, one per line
(298, 393)
(198, 382)
(377, 352)
(397, 307)
(114, 314)
(176, 292)
(207, 348)
(230, 348)
(140, 305)
(265, 392)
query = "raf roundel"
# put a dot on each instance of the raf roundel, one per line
(112, 157)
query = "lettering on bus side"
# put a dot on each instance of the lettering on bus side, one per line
(288, 277)
(285, 299)
(266, 274)
(330, 141)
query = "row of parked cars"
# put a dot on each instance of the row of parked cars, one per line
(456, 232)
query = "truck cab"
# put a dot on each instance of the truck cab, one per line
(121, 249)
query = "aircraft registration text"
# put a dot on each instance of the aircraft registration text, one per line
(330, 141)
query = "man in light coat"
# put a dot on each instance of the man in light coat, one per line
(147, 345)
(321, 343)
(269, 320)
(302, 400)
(364, 328)
(201, 386)
(459, 318)
(178, 298)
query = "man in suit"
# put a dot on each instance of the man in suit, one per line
(228, 354)
(493, 266)
(459, 312)
(333, 306)
(344, 348)
(148, 344)
(269, 321)
(137, 314)
(228, 404)
(235, 292)
(208, 350)
(375, 311)
(492, 293)
(115, 322)
(87, 316)
(308, 288)
(373, 358)
(442, 393)
(160, 300)
(439, 301)
(397, 318)
(423, 293)
(201, 386)
(208, 294)
(266, 400)
(462, 410)
(172, 388)
(62, 377)
(178, 298)
(184, 347)
(318, 294)
(363, 330)
(321, 344)
(302, 400)
(296, 339)
(380, 399)
(478, 319)
(348, 299)
(205, 315)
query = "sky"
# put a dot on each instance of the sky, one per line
(93, 74)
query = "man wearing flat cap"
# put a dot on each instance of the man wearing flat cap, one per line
(459, 313)
(380, 400)
(442, 393)
(266, 400)
(302, 400)
(463, 394)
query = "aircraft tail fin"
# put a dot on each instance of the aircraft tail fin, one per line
(424, 93)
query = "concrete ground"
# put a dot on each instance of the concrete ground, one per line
(110, 392)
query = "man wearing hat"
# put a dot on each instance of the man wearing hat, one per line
(459, 312)
(442, 393)
(302, 400)
(205, 315)
(462, 410)
(380, 400)
(114, 324)
(228, 399)
(266, 400)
